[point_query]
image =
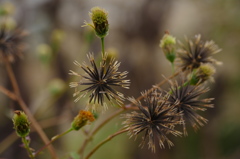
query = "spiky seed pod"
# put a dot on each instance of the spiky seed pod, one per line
(11, 45)
(185, 99)
(194, 53)
(82, 119)
(21, 123)
(100, 82)
(155, 120)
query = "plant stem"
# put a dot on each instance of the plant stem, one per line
(52, 140)
(86, 141)
(25, 108)
(102, 42)
(8, 93)
(105, 141)
(26, 146)
(173, 69)
(159, 84)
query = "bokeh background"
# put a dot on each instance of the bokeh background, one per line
(55, 39)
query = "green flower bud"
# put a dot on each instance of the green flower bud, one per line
(82, 119)
(57, 86)
(7, 9)
(168, 46)
(100, 21)
(21, 123)
(202, 74)
(44, 53)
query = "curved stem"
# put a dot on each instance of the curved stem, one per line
(26, 146)
(105, 141)
(86, 141)
(8, 93)
(53, 139)
(25, 108)
(160, 84)
(102, 42)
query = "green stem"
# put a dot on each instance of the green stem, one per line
(26, 146)
(84, 145)
(24, 107)
(52, 140)
(102, 42)
(105, 141)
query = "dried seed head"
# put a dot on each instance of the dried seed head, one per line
(195, 53)
(185, 99)
(21, 123)
(11, 45)
(155, 119)
(100, 82)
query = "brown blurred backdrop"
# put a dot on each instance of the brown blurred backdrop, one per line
(136, 28)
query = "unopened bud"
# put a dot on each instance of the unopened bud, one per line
(168, 46)
(21, 123)
(100, 21)
(82, 119)
(202, 74)
(44, 53)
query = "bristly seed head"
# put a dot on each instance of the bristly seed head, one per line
(155, 119)
(197, 52)
(100, 82)
(11, 45)
(185, 99)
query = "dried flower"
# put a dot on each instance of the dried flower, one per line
(11, 45)
(21, 123)
(100, 21)
(185, 99)
(100, 81)
(82, 119)
(155, 120)
(195, 53)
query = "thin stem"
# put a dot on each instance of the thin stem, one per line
(52, 140)
(105, 141)
(102, 42)
(8, 93)
(25, 108)
(86, 141)
(26, 146)
(173, 68)
(160, 84)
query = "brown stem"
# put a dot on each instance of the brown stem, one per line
(126, 107)
(26, 110)
(8, 93)
(104, 141)
(160, 84)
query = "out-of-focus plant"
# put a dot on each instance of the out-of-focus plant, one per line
(154, 115)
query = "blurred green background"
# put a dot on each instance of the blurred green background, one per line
(56, 39)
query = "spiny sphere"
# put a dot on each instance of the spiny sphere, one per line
(192, 54)
(11, 45)
(155, 119)
(185, 99)
(100, 82)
